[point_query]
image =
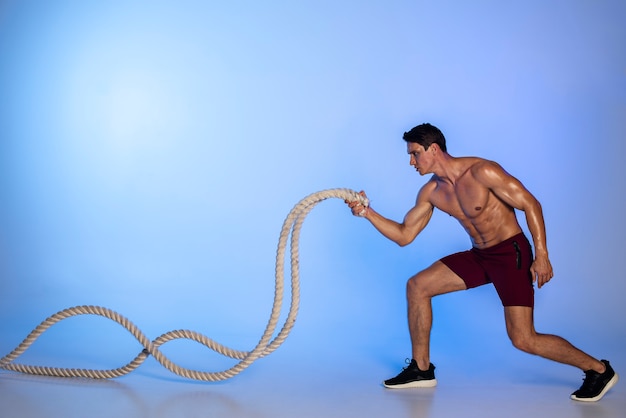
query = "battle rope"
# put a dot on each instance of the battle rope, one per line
(291, 226)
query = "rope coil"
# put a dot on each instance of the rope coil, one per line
(266, 345)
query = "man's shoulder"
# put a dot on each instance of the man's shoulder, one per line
(474, 161)
(485, 172)
(478, 165)
(430, 184)
(427, 188)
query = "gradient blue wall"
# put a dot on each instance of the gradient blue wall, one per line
(149, 152)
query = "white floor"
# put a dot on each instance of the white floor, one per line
(329, 366)
(322, 381)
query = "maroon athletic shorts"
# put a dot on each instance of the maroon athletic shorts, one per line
(506, 265)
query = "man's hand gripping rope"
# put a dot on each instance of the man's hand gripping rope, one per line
(361, 206)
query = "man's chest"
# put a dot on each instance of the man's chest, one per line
(461, 200)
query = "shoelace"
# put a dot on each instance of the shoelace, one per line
(408, 362)
(590, 379)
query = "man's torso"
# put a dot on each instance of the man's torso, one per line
(486, 218)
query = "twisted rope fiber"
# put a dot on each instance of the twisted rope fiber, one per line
(291, 226)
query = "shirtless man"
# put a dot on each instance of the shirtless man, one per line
(482, 197)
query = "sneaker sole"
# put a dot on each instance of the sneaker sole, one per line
(608, 386)
(416, 384)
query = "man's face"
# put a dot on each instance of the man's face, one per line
(420, 158)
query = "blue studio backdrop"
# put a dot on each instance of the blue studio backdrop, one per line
(150, 151)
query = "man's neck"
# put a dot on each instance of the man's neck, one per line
(448, 169)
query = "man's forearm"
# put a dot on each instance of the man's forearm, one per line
(387, 227)
(537, 228)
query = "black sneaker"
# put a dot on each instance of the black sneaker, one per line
(595, 384)
(412, 377)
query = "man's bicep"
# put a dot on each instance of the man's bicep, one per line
(417, 218)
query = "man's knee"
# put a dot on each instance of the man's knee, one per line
(520, 329)
(435, 280)
(522, 342)
(419, 286)
(415, 287)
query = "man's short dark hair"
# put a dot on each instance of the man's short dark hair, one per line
(426, 135)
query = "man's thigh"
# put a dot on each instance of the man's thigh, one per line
(437, 280)
(519, 321)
